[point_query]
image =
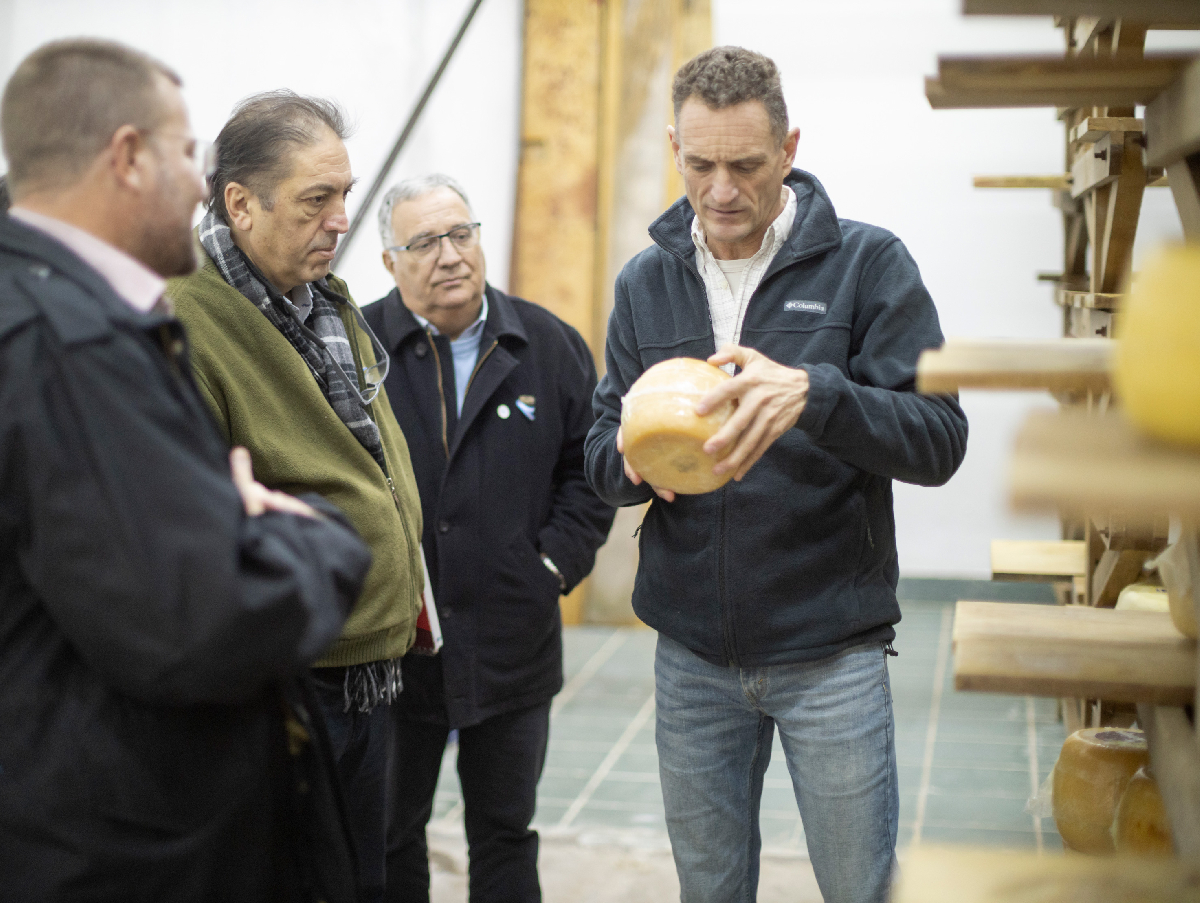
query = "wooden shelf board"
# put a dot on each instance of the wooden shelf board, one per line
(1054, 183)
(960, 874)
(1053, 364)
(1038, 560)
(1094, 300)
(1094, 128)
(1158, 12)
(1054, 81)
(1072, 650)
(1081, 462)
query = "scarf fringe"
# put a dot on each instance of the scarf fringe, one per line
(371, 684)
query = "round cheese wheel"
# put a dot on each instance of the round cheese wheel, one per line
(1157, 367)
(1141, 825)
(663, 435)
(1183, 614)
(1092, 771)
(1143, 597)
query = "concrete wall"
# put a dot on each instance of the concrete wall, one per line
(853, 77)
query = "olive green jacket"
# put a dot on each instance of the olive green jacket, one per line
(265, 398)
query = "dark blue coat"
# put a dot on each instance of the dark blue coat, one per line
(146, 624)
(798, 560)
(496, 492)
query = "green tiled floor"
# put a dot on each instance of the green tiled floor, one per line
(967, 762)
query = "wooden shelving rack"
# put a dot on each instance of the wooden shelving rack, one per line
(1114, 488)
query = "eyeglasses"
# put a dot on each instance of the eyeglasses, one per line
(463, 238)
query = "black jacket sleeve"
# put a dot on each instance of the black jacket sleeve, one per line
(579, 521)
(605, 465)
(874, 419)
(134, 536)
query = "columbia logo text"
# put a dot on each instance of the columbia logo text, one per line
(812, 307)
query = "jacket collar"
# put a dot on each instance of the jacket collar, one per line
(502, 323)
(814, 231)
(46, 252)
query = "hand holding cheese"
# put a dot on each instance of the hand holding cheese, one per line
(770, 398)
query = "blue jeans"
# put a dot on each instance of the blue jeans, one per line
(714, 731)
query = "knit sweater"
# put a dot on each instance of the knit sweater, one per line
(265, 398)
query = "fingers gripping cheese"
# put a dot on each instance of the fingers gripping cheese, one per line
(663, 435)
(1091, 774)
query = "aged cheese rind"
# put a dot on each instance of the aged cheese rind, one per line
(1141, 825)
(1092, 771)
(662, 434)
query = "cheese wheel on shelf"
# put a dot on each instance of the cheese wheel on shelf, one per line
(1143, 597)
(662, 434)
(1156, 370)
(1141, 825)
(1092, 771)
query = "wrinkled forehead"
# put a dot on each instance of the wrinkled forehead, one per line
(738, 129)
(324, 162)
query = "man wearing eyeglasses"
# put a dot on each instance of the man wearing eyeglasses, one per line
(494, 395)
(289, 369)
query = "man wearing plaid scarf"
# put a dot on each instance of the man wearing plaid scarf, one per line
(292, 371)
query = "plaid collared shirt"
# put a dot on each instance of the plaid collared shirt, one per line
(727, 309)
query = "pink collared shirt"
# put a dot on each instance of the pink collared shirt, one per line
(136, 284)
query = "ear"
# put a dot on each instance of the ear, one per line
(386, 257)
(237, 204)
(125, 157)
(673, 137)
(789, 147)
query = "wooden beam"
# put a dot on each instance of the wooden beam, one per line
(1038, 561)
(961, 874)
(1072, 650)
(1057, 365)
(1173, 119)
(1096, 127)
(1035, 81)
(1096, 166)
(1116, 570)
(1055, 183)
(1175, 758)
(1086, 462)
(554, 229)
(1094, 300)
(1164, 12)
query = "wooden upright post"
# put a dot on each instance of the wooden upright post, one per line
(593, 173)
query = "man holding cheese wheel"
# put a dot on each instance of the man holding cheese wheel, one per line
(775, 595)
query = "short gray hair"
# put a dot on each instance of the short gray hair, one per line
(66, 100)
(410, 190)
(255, 146)
(726, 76)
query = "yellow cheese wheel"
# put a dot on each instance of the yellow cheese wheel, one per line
(1143, 597)
(1092, 771)
(1157, 366)
(1183, 614)
(1141, 825)
(663, 435)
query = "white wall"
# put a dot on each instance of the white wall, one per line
(372, 56)
(852, 72)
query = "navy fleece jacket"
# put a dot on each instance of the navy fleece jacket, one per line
(798, 560)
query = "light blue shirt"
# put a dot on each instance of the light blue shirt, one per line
(464, 349)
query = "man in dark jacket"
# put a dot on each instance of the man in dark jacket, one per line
(774, 596)
(494, 396)
(152, 609)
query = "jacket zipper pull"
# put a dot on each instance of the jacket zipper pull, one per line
(888, 650)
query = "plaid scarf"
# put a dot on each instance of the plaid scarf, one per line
(324, 347)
